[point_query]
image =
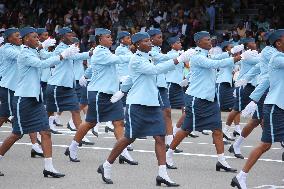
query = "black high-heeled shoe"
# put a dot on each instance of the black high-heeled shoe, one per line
(1, 174)
(235, 183)
(123, 159)
(70, 128)
(54, 175)
(235, 134)
(226, 137)
(87, 143)
(193, 135)
(283, 156)
(108, 129)
(219, 166)
(160, 180)
(171, 166)
(55, 132)
(34, 154)
(129, 148)
(231, 150)
(57, 124)
(67, 153)
(101, 171)
(95, 133)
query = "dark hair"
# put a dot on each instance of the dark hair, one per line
(97, 39)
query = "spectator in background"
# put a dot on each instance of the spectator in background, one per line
(261, 22)
(241, 29)
(211, 13)
(88, 19)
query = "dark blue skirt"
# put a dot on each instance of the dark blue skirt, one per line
(164, 98)
(59, 99)
(201, 115)
(43, 90)
(258, 114)
(225, 97)
(84, 96)
(29, 116)
(78, 90)
(6, 99)
(273, 125)
(243, 99)
(142, 121)
(176, 96)
(100, 109)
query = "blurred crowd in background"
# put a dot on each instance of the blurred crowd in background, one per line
(173, 17)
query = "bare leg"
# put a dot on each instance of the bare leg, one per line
(218, 141)
(181, 134)
(83, 130)
(168, 121)
(232, 115)
(237, 119)
(3, 120)
(8, 143)
(255, 155)
(160, 149)
(46, 143)
(120, 145)
(118, 129)
(76, 117)
(33, 138)
(252, 123)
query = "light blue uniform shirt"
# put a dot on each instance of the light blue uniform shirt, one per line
(276, 80)
(263, 80)
(224, 74)
(78, 69)
(122, 69)
(143, 73)
(176, 75)
(46, 72)
(103, 63)
(63, 73)
(203, 74)
(158, 58)
(1, 61)
(29, 71)
(9, 76)
(246, 65)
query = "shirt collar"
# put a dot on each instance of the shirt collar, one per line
(202, 51)
(143, 54)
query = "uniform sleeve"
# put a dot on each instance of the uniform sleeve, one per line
(160, 57)
(106, 58)
(260, 90)
(126, 85)
(80, 56)
(88, 72)
(11, 54)
(205, 62)
(277, 61)
(145, 67)
(44, 54)
(253, 72)
(220, 56)
(36, 62)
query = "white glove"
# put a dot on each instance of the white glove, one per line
(83, 81)
(122, 79)
(249, 109)
(1, 40)
(190, 52)
(70, 51)
(183, 83)
(241, 82)
(237, 49)
(249, 54)
(48, 43)
(116, 97)
(235, 93)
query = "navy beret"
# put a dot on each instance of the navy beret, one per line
(139, 36)
(10, 31)
(122, 34)
(172, 40)
(154, 31)
(277, 34)
(102, 31)
(41, 30)
(225, 44)
(64, 30)
(199, 35)
(26, 30)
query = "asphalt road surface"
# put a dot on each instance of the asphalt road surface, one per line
(196, 165)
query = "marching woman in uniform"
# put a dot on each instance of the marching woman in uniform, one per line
(144, 116)
(202, 110)
(104, 83)
(257, 97)
(273, 109)
(60, 92)
(242, 93)
(29, 112)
